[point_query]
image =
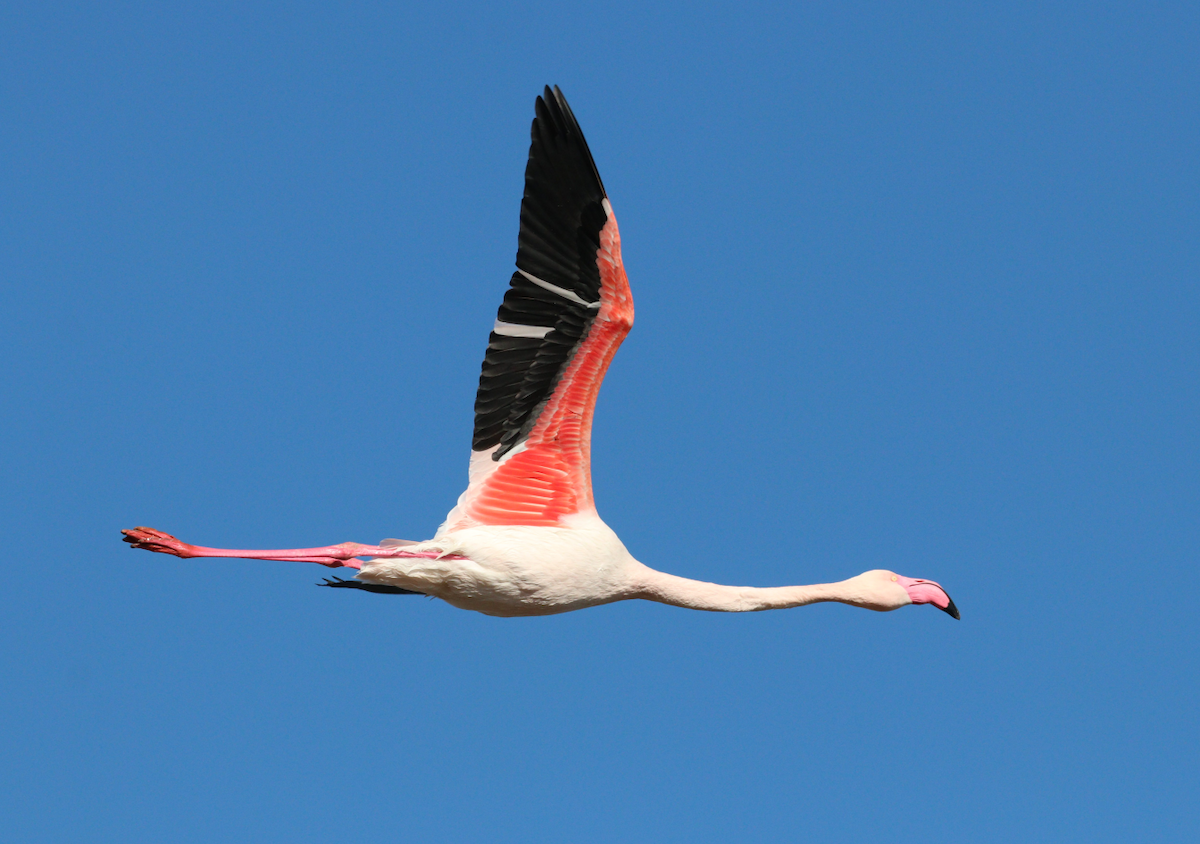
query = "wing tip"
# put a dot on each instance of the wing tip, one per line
(553, 103)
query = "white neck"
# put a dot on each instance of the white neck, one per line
(697, 595)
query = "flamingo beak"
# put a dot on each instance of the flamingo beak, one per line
(922, 591)
(950, 609)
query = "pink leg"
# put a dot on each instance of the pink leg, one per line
(333, 556)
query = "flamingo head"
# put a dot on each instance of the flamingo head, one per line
(885, 590)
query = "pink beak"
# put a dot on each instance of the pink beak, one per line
(928, 592)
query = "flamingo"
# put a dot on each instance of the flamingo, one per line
(525, 539)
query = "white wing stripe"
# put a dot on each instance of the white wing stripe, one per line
(508, 329)
(554, 288)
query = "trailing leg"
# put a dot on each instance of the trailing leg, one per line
(333, 556)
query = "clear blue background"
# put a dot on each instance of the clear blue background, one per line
(916, 289)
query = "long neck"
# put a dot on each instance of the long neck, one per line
(697, 595)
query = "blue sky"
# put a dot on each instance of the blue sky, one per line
(916, 289)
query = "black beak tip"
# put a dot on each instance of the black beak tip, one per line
(950, 609)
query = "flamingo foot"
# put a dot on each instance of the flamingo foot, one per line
(150, 539)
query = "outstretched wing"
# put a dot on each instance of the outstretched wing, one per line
(567, 310)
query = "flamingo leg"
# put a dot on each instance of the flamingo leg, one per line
(333, 556)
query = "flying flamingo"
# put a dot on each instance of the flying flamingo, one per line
(525, 538)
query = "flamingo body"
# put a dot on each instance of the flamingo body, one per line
(525, 539)
(516, 570)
